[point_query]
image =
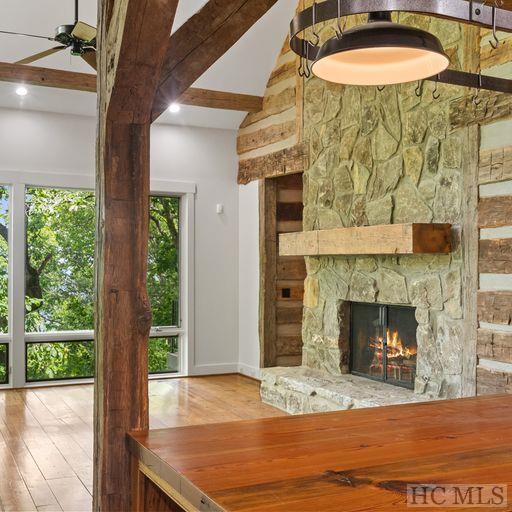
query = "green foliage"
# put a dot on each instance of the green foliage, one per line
(4, 254)
(3, 364)
(60, 275)
(60, 360)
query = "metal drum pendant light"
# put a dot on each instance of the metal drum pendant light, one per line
(380, 53)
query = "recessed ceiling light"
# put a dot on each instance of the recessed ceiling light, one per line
(174, 108)
(21, 91)
(380, 53)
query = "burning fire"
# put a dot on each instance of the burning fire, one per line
(395, 347)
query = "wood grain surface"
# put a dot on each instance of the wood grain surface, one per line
(344, 461)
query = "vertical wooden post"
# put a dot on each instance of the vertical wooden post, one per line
(123, 318)
(131, 53)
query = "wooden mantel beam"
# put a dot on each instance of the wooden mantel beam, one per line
(201, 41)
(130, 60)
(33, 75)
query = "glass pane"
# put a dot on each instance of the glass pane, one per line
(4, 363)
(60, 257)
(164, 355)
(367, 340)
(60, 360)
(163, 261)
(4, 257)
(402, 346)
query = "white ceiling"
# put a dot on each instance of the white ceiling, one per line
(245, 68)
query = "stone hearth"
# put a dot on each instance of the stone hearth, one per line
(302, 390)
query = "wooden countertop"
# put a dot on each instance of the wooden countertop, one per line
(343, 461)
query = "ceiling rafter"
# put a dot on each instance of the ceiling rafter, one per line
(201, 41)
(33, 75)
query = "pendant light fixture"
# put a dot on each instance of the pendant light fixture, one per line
(380, 53)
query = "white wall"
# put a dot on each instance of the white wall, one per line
(42, 142)
(248, 280)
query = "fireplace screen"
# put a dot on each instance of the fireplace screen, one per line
(383, 343)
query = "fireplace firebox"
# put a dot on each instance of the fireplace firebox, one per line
(383, 343)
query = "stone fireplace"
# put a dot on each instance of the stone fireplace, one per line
(385, 157)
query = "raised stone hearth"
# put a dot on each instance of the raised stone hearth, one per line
(302, 390)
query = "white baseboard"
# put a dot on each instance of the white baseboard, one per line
(250, 371)
(214, 369)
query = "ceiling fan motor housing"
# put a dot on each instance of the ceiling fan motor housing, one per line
(63, 34)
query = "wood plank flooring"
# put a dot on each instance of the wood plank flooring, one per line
(46, 434)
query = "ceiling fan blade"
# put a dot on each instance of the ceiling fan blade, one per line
(84, 32)
(40, 55)
(89, 55)
(26, 35)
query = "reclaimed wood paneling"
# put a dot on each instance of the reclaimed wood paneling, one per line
(491, 57)
(271, 105)
(287, 161)
(495, 165)
(494, 212)
(493, 106)
(265, 136)
(491, 382)
(496, 346)
(495, 307)
(289, 315)
(291, 268)
(385, 239)
(495, 256)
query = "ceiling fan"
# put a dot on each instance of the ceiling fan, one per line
(79, 37)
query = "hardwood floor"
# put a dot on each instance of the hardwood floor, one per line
(46, 434)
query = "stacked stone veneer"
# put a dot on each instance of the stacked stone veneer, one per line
(380, 158)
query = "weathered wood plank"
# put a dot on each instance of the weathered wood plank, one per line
(201, 41)
(289, 211)
(386, 239)
(291, 268)
(287, 315)
(495, 307)
(289, 345)
(268, 272)
(130, 62)
(287, 161)
(494, 212)
(493, 106)
(496, 346)
(265, 136)
(495, 165)
(493, 382)
(495, 256)
(271, 105)
(491, 57)
(221, 100)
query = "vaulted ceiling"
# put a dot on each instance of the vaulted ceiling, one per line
(243, 69)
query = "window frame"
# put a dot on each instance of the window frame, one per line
(17, 338)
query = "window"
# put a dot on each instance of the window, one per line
(59, 283)
(163, 260)
(4, 363)
(4, 260)
(59, 266)
(59, 360)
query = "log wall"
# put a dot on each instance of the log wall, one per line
(494, 374)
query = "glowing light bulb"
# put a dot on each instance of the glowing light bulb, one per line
(21, 91)
(174, 108)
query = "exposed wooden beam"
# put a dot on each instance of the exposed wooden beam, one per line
(32, 75)
(385, 239)
(129, 66)
(201, 41)
(221, 100)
